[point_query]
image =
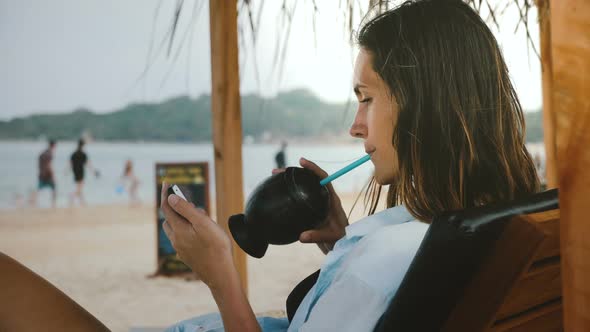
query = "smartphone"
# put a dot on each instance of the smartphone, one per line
(173, 189)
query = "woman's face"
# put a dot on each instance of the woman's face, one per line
(375, 118)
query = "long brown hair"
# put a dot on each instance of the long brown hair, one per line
(460, 131)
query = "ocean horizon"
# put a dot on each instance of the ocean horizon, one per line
(20, 171)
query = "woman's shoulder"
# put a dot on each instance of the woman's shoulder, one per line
(382, 258)
(390, 241)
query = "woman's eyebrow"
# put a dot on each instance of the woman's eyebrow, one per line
(357, 88)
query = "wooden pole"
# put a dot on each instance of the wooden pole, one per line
(547, 78)
(227, 120)
(570, 51)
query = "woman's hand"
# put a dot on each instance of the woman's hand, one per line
(332, 229)
(199, 241)
(205, 247)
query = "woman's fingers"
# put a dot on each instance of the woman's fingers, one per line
(165, 187)
(319, 172)
(188, 211)
(164, 199)
(173, 219)
(319, 235)
(169, 232)
(313, 167)
(277, 170)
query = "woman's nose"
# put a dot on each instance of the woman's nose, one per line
(358, 130)
(359, 126)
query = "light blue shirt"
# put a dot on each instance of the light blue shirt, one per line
(358, 279)
(362, 274)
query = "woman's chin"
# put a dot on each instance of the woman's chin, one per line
(383, 179)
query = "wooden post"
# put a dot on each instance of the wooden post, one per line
(547, 78)
(570, 51)
(227, 120)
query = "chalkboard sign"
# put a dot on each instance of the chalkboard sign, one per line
(193, 180)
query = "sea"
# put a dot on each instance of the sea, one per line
(19, 168)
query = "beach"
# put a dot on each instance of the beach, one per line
(104, 257)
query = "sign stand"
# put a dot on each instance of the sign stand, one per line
(193, 180)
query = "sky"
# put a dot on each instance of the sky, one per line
(61, 55)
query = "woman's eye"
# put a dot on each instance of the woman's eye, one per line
(366, 100)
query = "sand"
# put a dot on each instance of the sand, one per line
(103, 256)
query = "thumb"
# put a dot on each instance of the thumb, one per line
(316, 236)
(187, 210)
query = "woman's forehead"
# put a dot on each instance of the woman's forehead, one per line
(364, 75)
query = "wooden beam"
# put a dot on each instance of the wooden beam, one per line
(547, 78)
(570, 51)
(227, 119)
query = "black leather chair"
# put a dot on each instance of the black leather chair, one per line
(449, 258)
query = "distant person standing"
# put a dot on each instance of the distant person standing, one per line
(78, 163)
(280, 156)
(129, 175)
(46, 176)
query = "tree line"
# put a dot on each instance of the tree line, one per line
(293, 114)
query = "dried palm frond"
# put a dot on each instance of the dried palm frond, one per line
(494, 12)
(249, 22)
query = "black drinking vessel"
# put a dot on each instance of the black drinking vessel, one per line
(279, 210)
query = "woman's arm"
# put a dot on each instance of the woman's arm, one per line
(233, 305)
(204, 246)
(30, 303)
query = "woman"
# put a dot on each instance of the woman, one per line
(129, 175)
(445, 131)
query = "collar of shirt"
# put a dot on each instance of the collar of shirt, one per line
(395, 215)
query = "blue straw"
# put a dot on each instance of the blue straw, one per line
(345, 170)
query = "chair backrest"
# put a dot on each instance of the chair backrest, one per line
(493, 268)
(534, 303)
(516, 290)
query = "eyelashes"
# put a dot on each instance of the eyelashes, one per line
(366, 100)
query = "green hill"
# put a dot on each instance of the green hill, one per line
(294, 114)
